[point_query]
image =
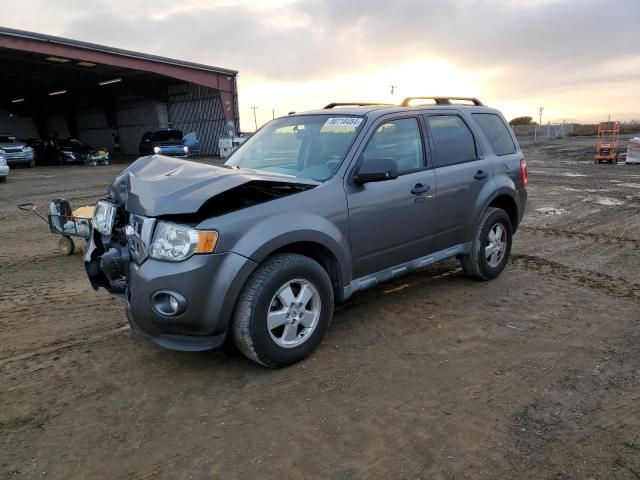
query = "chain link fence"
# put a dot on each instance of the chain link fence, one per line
(543, 133)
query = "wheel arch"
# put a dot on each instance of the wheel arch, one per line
(508, 204)
(321, 254)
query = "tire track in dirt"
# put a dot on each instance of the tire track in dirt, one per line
(598, 237)
(613, 286)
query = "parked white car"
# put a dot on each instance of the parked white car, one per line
(4, 169)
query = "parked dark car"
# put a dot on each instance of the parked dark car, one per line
(71, 150)
(311, 209)
(169, 142)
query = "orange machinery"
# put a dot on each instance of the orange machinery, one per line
(607, 145)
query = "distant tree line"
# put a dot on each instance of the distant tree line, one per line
(522, 121)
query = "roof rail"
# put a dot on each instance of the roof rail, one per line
(441, 100)
(353, 104)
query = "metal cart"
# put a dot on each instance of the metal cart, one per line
(67, 226)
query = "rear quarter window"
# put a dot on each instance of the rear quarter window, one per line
(496, 132)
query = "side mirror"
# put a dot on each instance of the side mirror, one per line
(376, 170)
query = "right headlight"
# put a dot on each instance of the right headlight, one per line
(175, 243)
(104, 215)
(156, 150)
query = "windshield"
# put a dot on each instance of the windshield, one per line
(8, 139)
(72, 143)
(310, 147)
(169, 136)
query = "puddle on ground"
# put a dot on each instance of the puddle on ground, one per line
(588, 190)
(551, 210)
(606, 201)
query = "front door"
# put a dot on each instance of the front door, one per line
(391, 221)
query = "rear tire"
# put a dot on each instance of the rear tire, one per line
(283, 310)
(491, 246)
(3, 179)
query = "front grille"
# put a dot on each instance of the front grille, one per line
(139, 232)
(13, 149)
(15, 155)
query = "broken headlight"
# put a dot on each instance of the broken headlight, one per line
(103, 217)
(174, 243)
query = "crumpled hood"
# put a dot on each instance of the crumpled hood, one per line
(156, 185)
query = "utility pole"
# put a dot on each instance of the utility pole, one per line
(393, 89)
(255, 119)
(540, 110)
(273, 114)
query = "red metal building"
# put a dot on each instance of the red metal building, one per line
(108, 96)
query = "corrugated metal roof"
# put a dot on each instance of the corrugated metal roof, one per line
(11, 32)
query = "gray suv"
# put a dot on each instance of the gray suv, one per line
(16, 152)
(311, 209)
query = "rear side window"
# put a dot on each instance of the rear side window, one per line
(496, 131)
(452, 139)
(400, 141)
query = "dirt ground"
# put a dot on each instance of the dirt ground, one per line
(534, 375)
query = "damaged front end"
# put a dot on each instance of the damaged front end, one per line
(153, 207)
(107, 255)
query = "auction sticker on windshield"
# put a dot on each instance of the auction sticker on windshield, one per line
(343, 122)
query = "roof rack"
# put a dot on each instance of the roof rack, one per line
(353, 104)
(441, 100)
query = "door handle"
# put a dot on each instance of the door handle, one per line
(481, 175)
(419, 189)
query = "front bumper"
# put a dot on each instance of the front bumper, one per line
(209, 283)
(21, 158)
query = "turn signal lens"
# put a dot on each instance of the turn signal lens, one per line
(207, 241)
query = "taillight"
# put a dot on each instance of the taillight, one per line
(523, 171)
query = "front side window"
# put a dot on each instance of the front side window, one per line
(400, 141)
(496, 131)
(310, 147)
(452, 139)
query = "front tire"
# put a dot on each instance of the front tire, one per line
(283, 310)
(491, 246)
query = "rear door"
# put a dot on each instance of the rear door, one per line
(462, 169)
(391, 222)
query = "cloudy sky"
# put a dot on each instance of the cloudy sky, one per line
(580, 59)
